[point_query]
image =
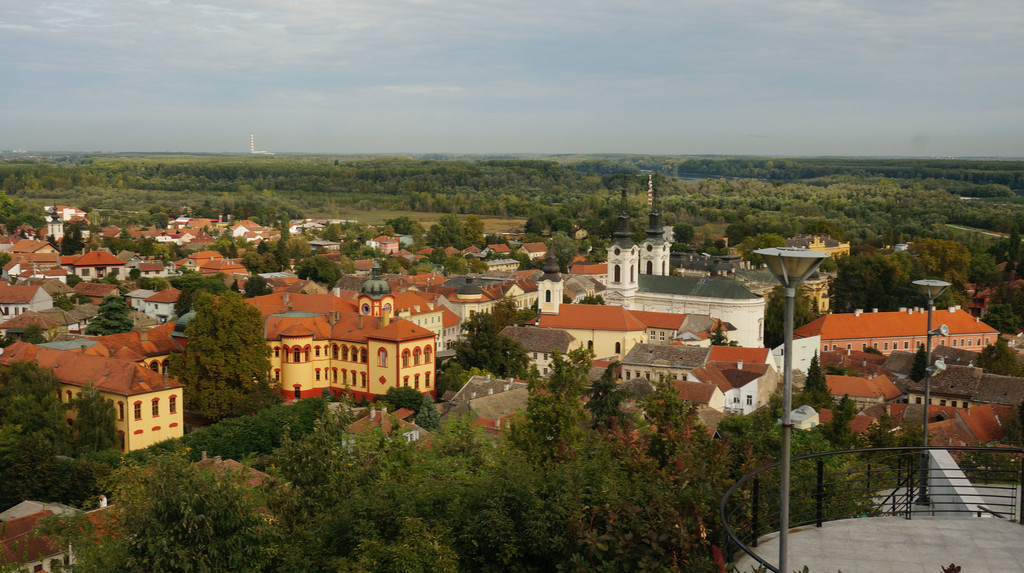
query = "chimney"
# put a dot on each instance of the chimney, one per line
(472, 395)
(103, 499)
(849, 351)
(497, 424)
(864, 364)
(490, 391)
(875, 310)
(903, 309)
(858, 312)
(333, 317)
(144, 336)
(508, 386)
(285, 298)
(739, 365)
(360, 322)
(910, 311)
(380, 322)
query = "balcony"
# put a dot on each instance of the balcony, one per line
(863, 510)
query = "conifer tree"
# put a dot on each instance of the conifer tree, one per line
(114, 317)
(920, 367)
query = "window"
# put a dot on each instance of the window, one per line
(362, 376)
(627, 374)
(416, 382)
(334, 352)
(317, 352)
(405, 381)
(277, 352)
(297, 355)
(547, 295)
(344, 352)
(298, 393)
(961, 342)
(917, 400)
(335, 375)
(863, 346)
(362, 355)
(155, 366)
(405, 359)
(382, 357)
(416, 355)
(618, 347)
(906, 344)
(954, 343)
(427, 355)
(942, 402)
(138, 410)
(534, 357)
(750, 400)
(650, 265)
(120, 411)
(307, 354)
(887, 346)
(277, 375)
(426, 380)
(156, 407)
(172, 404)
(618, 274)
(317, 373)
(953, 403)
(590, 345)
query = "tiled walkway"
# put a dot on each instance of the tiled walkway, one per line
(897, 545)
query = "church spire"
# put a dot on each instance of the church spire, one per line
(655, 233)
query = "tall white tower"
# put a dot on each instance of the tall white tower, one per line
(623, 258)
(550, 285)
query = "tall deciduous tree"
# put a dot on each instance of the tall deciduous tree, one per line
(29, 400)
(226, 365)
(486, 348)
(94, 422)
(997, 358)
(775, 315)
(319, 269)
(553, 426)
(114, 317)
(606, 397)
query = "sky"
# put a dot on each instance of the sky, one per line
(674, 77)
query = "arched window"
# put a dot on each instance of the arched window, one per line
(416, 357)
(428, 355)
(405, 381)
(382, 357)
(155, 366)
(334, 352)
(164, 366)
(618, 274)
(618, 347)
(318, 374)
(427, 379)
(405, 359)
(650, 267)
(590, 345)
(547, 295)
(316, 352)
(344, 353)
(335, 375)
(632, 273)
(362, 379)
(277, 375)
(307, 354)
(297, 354)
(120, 410)
(362, 355)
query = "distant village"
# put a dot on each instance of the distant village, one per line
(652, 313)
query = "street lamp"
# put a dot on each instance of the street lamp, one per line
(931, 289)
(790, 266)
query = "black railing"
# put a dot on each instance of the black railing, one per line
(870, 483)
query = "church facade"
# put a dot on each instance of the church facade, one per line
(639, 279)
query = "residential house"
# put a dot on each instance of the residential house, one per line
(94, 265)
(902, 330)
(654, 361)
(704, 395)
(534, 250)
(610, 331)
(15, 300)
(394, 425)
(148, 405)
(863, 391)
(821, 243)
(541, 344)
(746, 386)
(21, 544)
(492, 402)
(15, 327)
(502, 265)
(96, 291)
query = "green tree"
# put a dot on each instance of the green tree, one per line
(879, 281)
(94, 422)
(838, 431)
(72, 243)
(761, 241)
(487, 349)
(319, 269)
(403, 397)
(114, 317)
(719, 338)
(592, 299)
(29, 401)
(226, 366)
(256, 285)
(816, 393)
(473, 227)
(683, 233)
(606, 398)
(920, 366)
(552, 428)
(997, 358)
(34, 334)
(565, 250)
(427, 416)
(448, 232)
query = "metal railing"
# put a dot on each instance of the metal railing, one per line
(871, 483)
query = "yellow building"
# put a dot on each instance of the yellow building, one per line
(821, 243)
(148, 405)
(610, 331)
(323, 343)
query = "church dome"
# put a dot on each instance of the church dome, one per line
(376, 287)
(469, 290)
(182, 322)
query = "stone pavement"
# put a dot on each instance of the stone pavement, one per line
(898, 545)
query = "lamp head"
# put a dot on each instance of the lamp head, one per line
(790, 265)
(931, 288)
(940, 331)
(937, 367)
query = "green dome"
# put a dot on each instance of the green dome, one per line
(376, 287)
(182, 322)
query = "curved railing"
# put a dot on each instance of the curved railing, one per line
(984, 482)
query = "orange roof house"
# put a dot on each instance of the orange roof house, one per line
(863, 391)
(94, 265)
(902, 330)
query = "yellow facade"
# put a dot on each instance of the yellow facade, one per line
(141, 420)
(608, 343)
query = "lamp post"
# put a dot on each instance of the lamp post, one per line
(931, 289)
(790, 266)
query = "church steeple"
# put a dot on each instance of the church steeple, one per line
(550, 285)
(655, 233)
(622, 235)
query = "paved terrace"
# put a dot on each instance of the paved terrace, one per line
(898, 545)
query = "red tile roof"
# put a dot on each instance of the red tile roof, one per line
(96, 259)
(666, 320)
(734, 353)
(592, 317)
(858, 425)
(855, 386)
(77, 369)
(589, 269)
(168, 295)
(21, 294)
(19, 542)
(890, 324)
(698, 392)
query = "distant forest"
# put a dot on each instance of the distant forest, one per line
(876, 201)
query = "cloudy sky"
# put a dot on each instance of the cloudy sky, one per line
(781, 77)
